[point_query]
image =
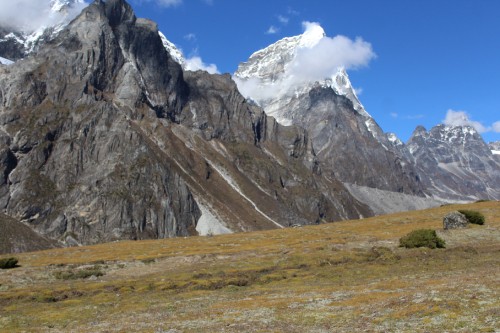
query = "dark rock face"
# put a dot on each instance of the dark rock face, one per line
(455, 163)
(352, 153)
(103, 137)
(346, 147)
(80, 167)
(455, 220)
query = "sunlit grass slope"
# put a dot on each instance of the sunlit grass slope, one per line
(342, 277)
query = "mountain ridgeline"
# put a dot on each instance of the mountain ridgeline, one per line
(104, 136)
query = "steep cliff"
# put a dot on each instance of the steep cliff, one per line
(104, 137)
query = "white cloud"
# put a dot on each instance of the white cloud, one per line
(318, 58)
(190, 36)
(461, 118)
(292, 11)
(496, 127)
(196, 63)
(169, 3)
(394, 115)
(272, 30)
(358, 91)
(328, 54)
(283, 19)
(29, 15)
(415, 116)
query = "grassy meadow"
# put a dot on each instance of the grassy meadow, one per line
(340, 277)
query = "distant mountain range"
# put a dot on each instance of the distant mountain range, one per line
(447, 163)
(105, 136)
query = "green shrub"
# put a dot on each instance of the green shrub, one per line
(422, 238)
(473, 217)
(7, 263)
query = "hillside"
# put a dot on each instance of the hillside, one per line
(340, 277)
(17, 237)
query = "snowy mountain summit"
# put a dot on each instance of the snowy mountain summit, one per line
(26, 36)
(292, 66)
(44, 20)
(173, 50)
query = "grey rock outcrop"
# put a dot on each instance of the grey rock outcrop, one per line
(104, 137)
(495, 150)
(494, 146)
(455, 220)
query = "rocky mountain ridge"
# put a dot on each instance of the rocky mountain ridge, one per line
(347, 140)
(455, 163)
(104, 137)
(354, 147)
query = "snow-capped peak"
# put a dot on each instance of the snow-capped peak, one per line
(460, 134)
(60, 5)
(173, 50)
(392, 137)
(29, 33)
(342, 86)
(277, 72)
(456, 133)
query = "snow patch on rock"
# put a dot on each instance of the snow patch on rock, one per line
(4, 61)
(209, 223)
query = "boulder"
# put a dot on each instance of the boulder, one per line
(455, 220)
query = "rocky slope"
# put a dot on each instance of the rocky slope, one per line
(347, 140)
(495, 147)
(17, 237)
(104, 137)
(455, 163)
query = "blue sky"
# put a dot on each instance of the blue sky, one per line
(432, 55)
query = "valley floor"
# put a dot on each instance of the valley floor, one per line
(341, 277)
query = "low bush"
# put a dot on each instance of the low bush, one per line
(422, 238)
(7, 263)
(473, 217)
